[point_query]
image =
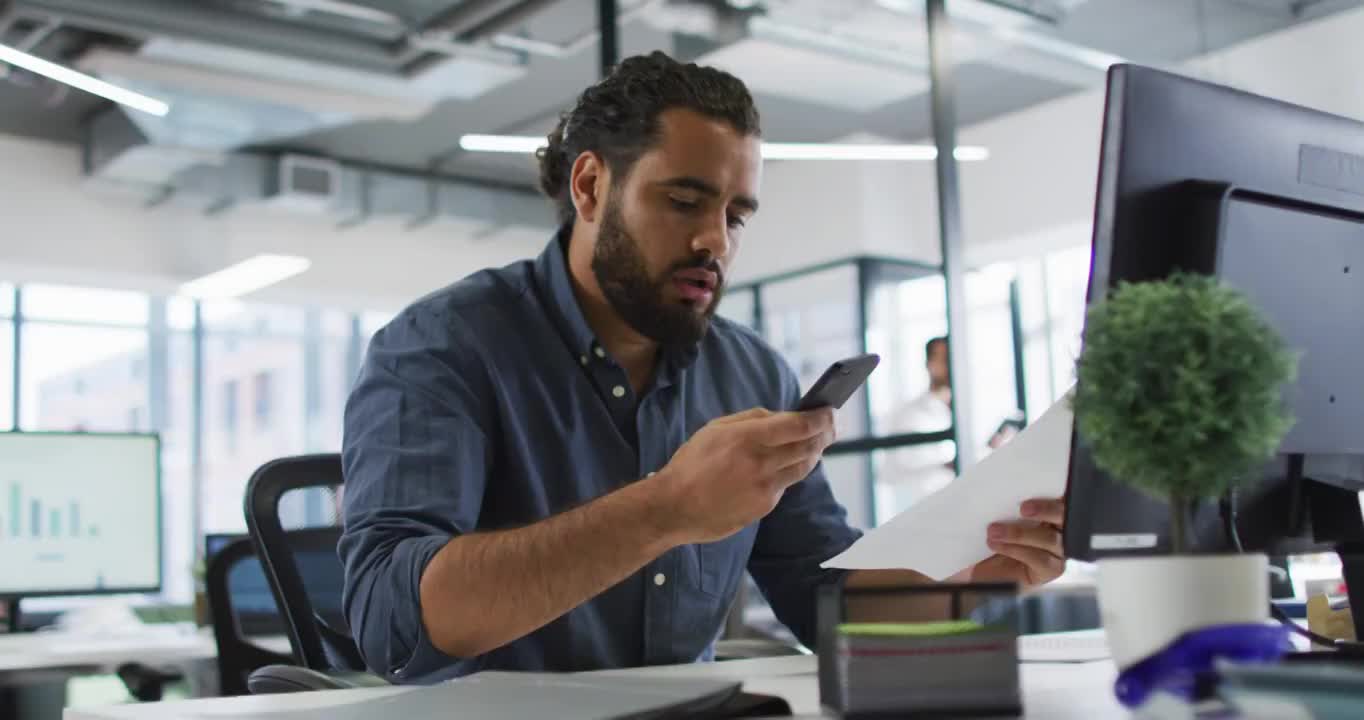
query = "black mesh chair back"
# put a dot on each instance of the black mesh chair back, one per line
(292, 511)
(235, 583)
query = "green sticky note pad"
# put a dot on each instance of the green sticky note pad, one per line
(925, 629)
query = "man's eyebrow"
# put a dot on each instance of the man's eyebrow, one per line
(698, 185)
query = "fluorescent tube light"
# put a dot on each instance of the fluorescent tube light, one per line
(523, 144)
(245, 277)
(81, 81)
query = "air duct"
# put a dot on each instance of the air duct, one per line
(118, 155)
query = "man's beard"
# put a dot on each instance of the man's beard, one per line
(639, 299)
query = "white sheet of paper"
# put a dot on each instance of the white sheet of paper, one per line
(946, 531)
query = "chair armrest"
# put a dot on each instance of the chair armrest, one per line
(273, 679)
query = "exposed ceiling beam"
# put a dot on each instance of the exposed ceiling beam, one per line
(208, 23)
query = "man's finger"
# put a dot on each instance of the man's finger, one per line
(1047, 510)
(749, 414)
(801, 451)
(1041, 536)
(1042, 566)
(792, 474)
(792, 427)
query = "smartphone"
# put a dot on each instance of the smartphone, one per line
(839, 382)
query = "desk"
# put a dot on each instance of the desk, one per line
(29, 653)
(1053, 692)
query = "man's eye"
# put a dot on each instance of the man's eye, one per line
(682, 204)
(737, 221)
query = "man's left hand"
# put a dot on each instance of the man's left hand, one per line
(1027, 551)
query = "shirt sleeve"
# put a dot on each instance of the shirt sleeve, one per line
(807, 527)
(415, 457)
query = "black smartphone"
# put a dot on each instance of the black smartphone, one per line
(839, 382)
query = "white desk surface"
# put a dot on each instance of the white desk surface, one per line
(155, 644)
(1051, 691)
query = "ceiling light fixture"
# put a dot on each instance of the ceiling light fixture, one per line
(526, 144)
(341, 8)
(245, 277)
(81, 81)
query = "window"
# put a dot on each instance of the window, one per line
(263, 400)
(229, 406)
(75, 377)
(268, 360)
(177, 478)
(6, 373)
(812, 321)
(85, 305)
(740, 305)
(337, 360)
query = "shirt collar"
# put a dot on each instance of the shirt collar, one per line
(551, 269)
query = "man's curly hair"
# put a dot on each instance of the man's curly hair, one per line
(617, 118)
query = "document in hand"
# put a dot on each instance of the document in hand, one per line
(945, 532)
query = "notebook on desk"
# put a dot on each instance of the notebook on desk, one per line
(513, 696)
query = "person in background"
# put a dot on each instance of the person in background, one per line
(570, 463)
(916, 471)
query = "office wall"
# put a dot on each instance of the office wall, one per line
(817, 211)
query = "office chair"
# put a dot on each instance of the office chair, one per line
(238, 657)
(291, 515)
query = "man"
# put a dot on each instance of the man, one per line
(918, 471)
(568, 463)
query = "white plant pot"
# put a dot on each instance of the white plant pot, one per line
(1146, 602)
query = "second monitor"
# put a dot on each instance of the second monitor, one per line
(80, 514)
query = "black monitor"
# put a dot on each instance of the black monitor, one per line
(80, 514)
(1268, 197)
(252, 602)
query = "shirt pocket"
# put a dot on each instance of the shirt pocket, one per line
(723, 563)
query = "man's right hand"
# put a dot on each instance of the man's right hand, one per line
(733, 471)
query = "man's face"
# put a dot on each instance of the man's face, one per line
(938, 370)
(670, 229)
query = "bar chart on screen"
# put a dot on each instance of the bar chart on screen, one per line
(79, 513)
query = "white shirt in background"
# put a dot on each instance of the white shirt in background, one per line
(911, 473)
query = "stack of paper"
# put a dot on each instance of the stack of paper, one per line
(926, 668)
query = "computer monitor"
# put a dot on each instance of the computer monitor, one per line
(1268, 197)
(80, 514)
(252, 602)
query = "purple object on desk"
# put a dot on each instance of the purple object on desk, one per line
(1176, 668)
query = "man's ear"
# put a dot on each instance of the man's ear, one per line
(588, 183)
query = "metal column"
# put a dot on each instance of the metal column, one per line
(196, 432)
(943, 91)
(16, 349)
(608, 21)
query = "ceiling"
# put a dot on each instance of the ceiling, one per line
(398, 82)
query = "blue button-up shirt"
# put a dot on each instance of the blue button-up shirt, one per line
(489, 405)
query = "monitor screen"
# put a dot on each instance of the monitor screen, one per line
(79, 514)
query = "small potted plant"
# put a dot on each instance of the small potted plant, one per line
(1180, 395)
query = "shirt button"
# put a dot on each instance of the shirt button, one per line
(659, 579)
(618, 391)
(583, 359)
(600, 352)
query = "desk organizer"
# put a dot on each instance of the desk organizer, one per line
(877, 659)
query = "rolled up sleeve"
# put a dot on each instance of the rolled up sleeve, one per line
(415, 457)
(807, 527)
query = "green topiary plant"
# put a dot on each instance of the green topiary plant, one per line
(1180, 390)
